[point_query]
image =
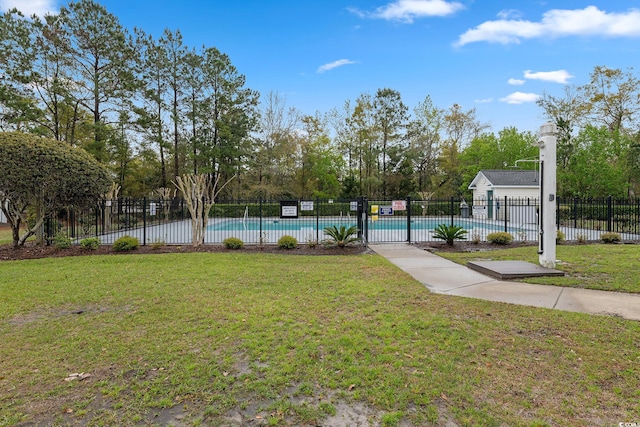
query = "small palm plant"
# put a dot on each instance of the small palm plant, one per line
(449, 233)
(342, 236)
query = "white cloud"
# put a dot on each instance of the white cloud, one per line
(484, 101)
(30, 7)
(516, 82)
(509, 14)
(520, 98)
(589, 21)
(408, 10)
(334, 64)
(559, 76)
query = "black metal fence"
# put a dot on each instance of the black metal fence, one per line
(165, 221)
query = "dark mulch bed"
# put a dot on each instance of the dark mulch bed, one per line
(463, 246)
(32, 251)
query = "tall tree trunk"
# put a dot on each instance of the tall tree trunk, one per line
(176, 163)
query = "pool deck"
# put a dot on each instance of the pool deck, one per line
(442, 276)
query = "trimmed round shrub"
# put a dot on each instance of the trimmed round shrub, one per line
(233, 243)
(560, 236)
(62, 241)
(91, 243)
(500, 238)
(287, 242)
(610, 237)
(125, 244)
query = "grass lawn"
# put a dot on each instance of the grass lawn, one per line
(595, 266)
(232, 339)
(5, 235)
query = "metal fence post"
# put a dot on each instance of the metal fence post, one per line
(409, 219)
(317, 220)
(637, 216)
(102, 218)
(359, 216)
(260, 236)
(366, 220)
(144, 221)
(451, 209)
(72, 222)
(505, 213)
(609, 214)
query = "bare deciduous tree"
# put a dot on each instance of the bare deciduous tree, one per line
(199, 193)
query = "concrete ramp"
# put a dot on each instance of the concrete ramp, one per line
(505, 270)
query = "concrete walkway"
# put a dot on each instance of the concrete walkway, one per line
(442, 276)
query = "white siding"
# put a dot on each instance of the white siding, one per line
(516, 192)
(523, 210)
(525, 199)
(480, 198)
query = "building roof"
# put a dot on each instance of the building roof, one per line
(508, 178)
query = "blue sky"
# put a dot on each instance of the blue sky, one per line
(495, 55)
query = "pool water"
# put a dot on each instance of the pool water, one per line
(268, 224)
(304, 224)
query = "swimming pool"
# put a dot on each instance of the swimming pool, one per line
(308, 224)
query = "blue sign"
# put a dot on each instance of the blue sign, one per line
(386, 211)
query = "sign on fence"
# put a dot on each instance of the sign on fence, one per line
(306, 206)
(386, 211)
(479, 211)
(399, 205)
(289, 209)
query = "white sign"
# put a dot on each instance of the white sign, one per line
(399, 205)
(290, 211)
(152, 209)
(479, 211)
(306, 206)
(353, 206)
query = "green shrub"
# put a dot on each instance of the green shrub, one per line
(233, 243)
(125, 244)
(91, 243)
(449, 233)
(560, 236)
(62, 241)
(500, 238)
(287, 242)
(610, 237)
(581, 238)
(341, 236)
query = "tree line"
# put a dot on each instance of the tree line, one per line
(152, 109)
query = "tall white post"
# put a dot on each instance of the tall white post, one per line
(547, 211)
